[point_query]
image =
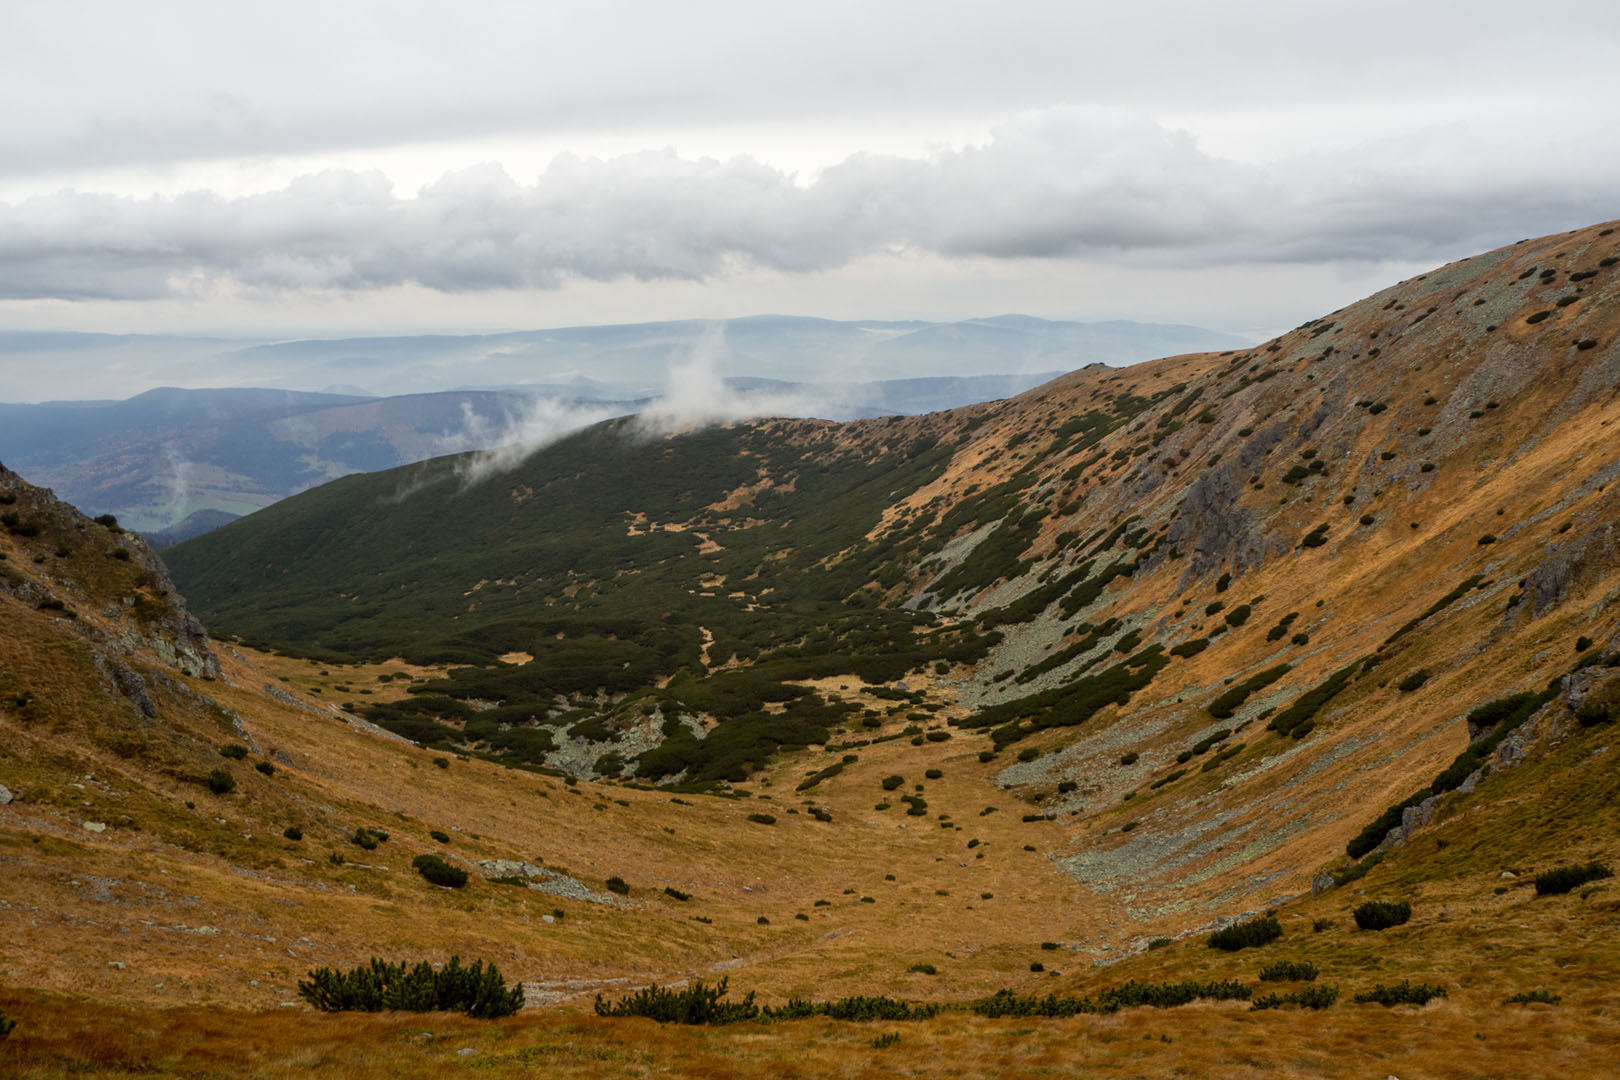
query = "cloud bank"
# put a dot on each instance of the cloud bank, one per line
(1069, 182)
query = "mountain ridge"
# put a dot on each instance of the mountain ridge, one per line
(1028, 696)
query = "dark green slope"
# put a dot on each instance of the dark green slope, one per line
(566, 557)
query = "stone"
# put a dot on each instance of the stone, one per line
(1321, 883)
(95, 826)
(5, 795)
(1507, 875)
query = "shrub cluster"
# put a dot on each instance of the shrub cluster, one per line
(1299, 719)
(1289, 971)
(1405, 992)
(1229, 702)
(1130, 995)
(701, 1004)
(1381, 915)
(478, 991)
(1309, 997)
(854, 1007)
(1528, 997)
(1564, 878)
(1246, 935)
(439, 872)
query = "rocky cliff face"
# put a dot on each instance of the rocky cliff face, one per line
(104, 583)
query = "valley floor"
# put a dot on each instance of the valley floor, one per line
(1468, 1036)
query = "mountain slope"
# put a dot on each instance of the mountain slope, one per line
(1242, 554)
(1031, 695)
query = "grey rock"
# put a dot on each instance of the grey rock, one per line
(1416, 817)
(1321, 883)
(5, 795)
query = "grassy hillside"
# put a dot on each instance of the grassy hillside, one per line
(1032, 696)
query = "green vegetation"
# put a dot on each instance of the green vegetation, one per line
(1228, 703)
(1309, 997)
(478, 991)
(1289, 971)
(439, 872)
(1381, 915)
(1413, 681)
(220, 782)
(1131, 995)
(1299, 719)
(1405, 992)
(1246, 935)
(1565, 878)
(1534, 997)
(701, 1004)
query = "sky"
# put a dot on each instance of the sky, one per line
(301, 169)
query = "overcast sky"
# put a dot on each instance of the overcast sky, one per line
(350, 167)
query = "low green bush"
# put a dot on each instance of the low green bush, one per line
(220, 782)
(617, 884)
(1246, 935)
(1413, 681)
(293, 832)
(1381, 915)
(1564, 878)
(1534, 997)
(1131, 995)
(234, 751)
(1310, 997)
(696, 1004)
(762, 819)
(478, 991)
(892, 782)
(439, 872)
(1405, 992)
(1289, 971)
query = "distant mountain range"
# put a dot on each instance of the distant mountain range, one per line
(637, 357)
(161, 458)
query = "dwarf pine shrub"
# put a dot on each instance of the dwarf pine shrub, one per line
(1564, 878)
(1310, 997)
(1405, 992)
(696, 1004)
(1529, 997)
(220, 782)
(478, 991)
(617, 884)
(1128, 996)
(1381, 915)
(1246, 935)
(439, 872)
(1289, 971)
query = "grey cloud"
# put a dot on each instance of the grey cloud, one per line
(1082, 182)
(95, 84)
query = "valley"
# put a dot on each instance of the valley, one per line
(1030, 694)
